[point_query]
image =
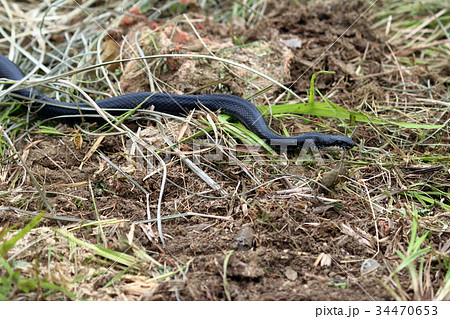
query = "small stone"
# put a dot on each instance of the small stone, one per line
(326, 260)
(293, 43)
(369, 267)
(291, 274)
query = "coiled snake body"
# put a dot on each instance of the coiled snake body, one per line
(174, 104)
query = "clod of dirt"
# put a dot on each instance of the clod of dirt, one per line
(188, 74)
(244, 239)
(249, 270)
(332, 177)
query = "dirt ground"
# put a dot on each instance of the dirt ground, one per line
(280, 241)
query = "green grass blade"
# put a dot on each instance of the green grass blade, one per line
(10, 243)
(311, 88)
(334, 111)
(112, 255)
(48, 130)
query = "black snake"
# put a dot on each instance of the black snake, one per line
(174, 104)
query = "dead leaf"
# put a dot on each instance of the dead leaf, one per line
(92, 150)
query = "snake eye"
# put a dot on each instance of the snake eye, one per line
(339, 143)
(344, 142)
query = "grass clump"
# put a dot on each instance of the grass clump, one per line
(15, 285)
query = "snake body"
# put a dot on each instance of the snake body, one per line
(174, 104)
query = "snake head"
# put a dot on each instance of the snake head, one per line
(341, 141)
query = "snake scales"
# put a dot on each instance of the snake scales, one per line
(174, 104)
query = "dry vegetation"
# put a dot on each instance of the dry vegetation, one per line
(135, 209)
